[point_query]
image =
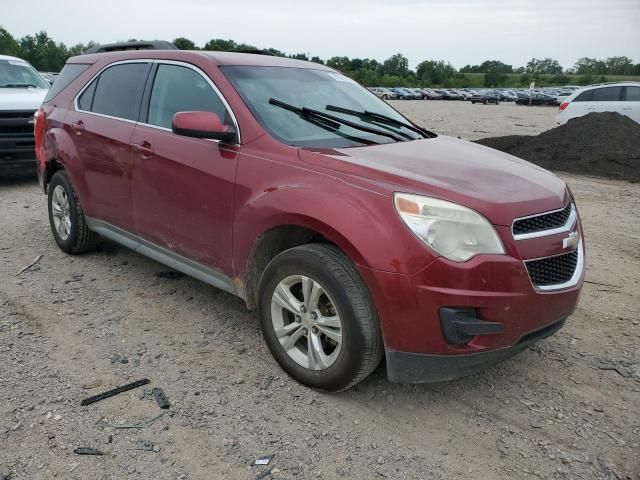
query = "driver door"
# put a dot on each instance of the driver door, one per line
(183, 187)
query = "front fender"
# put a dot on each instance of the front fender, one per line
(283, 191)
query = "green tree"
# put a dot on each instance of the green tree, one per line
(317, 60)
(80, 48)
(544, 66)
(434, 72)
(339, 63)
(619, 66)
(300, 56)
(184, 44)
(219, 44)
(397, 65)
(42, 52)
(8, 44)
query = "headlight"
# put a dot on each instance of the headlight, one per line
(455, 232)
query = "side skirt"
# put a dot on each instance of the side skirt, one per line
(162, 255)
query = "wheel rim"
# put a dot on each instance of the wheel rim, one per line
(60, 211)
(306, 322)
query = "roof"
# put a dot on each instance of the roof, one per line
(611, 84)
(9, 57)
(217, 58)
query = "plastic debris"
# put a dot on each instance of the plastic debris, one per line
(115, 391)
(264, 460)
(161, 398)
(88, 451)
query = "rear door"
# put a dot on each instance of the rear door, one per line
(183, 188)
(606, 99)
(101, 126)
(631, 107)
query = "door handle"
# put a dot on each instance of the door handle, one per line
(78, 126)
(144, 148)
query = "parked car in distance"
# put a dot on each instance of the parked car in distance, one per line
(536, 99)
(352, 231)
(505, 96)
(485, 97)
(446, 95)
(430, 94)
(403, 93)
(49, 76)
(22, 90)
(623, 98)
(383, 93)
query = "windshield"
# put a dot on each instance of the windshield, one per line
(312, 89)
(19, 74)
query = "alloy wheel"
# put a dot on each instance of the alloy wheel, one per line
(61, 212)
(306, 322)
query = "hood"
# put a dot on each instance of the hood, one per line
(499, 186)
(21, 98)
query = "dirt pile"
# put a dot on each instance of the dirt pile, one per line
(598, 144)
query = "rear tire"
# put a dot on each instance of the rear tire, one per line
(67, 220)
(327, 306)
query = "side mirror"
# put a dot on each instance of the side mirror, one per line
(202, 125)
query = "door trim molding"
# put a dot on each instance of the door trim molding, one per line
(162, 255)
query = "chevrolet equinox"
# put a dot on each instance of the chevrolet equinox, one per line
(352, 231)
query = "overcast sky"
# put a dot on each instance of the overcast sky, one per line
(460, 31)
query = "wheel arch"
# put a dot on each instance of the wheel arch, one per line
(281, 236)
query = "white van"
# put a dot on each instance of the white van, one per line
(621, 97)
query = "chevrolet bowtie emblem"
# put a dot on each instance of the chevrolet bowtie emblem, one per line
(571, 241)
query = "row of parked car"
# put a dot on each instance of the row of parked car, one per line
(546, 96)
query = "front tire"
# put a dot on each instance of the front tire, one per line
(318, 319)
(67, 220)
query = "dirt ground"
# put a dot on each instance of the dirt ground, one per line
(71, 327)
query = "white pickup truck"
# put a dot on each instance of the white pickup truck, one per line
(22, 90)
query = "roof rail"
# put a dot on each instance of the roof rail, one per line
(612, 83)
(141, 45)
(255, 51)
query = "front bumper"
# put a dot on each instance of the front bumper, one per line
(495, 289)
(406, 367)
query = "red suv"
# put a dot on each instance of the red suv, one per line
(352, 231)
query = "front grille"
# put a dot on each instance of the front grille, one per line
(16, 135)
(552, 270)
(28, 114)
(545, 221)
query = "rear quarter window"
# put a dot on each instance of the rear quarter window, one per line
(632, 94)
(118, 92)
(68, 74)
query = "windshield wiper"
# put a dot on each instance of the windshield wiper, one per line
(19, 85)
(382, 119)
(331, 120)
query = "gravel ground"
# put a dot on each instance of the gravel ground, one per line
(71, 327)
(472, 122)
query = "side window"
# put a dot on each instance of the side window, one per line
(584, 96)
(633, 94)
(86, 99)
(179, 89)
(119, 90)
(607, 94)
